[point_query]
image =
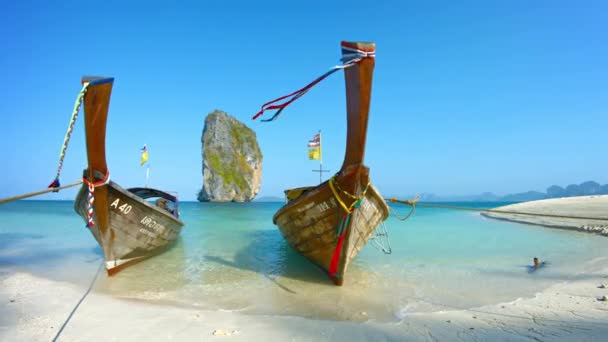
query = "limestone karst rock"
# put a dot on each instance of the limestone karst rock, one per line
(232, 160)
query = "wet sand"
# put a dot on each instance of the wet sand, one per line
(33, 309)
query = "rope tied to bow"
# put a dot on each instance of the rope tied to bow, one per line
(55, 183)
(344, 222)
(411, 203)
(91, 196)
(498, 211)
(350, 57)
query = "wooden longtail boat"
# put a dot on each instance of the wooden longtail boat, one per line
(127, 226)
(330, 223)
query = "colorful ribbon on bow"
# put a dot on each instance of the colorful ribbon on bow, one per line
(350, 57)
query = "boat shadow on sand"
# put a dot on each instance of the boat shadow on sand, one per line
(270, 255)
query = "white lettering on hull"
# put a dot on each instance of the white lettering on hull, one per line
(123, 209)
(147, 233)
(150, 223)
(151, 227)
(323, 206)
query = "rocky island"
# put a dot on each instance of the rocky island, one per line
(232, 160)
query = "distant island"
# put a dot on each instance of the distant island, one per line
(587, 188)
(269, 199)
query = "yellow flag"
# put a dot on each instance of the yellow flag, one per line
(314, 153)
(144, 156)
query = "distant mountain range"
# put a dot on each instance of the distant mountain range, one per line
(584, 189)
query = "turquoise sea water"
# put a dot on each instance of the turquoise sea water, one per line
(230, 256)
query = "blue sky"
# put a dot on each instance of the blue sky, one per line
(468, 96)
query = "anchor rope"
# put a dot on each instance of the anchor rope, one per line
(432, 205)
(55, 183)
(37, 193)
(65, 323)
(410, 202)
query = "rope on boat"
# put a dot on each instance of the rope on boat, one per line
(410, 202)
(37, 193)
(68, 134)
(350, 57)
(91, 197)
(443, 206)
(380, 239)
(78, 304)
(333, 185)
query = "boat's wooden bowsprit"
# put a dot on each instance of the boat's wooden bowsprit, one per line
(358, 80)
(332, 222)
(96, 106)
(128, 228)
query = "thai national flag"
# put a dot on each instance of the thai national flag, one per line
(316, 141)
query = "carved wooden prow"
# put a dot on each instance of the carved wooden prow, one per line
(358, 95)
(96, 105)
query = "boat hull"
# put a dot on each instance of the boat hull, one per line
(137, 228)
(311, 223)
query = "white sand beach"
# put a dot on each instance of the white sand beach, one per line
(587, 207)
(33, 308)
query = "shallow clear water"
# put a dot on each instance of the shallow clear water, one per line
(230, 256)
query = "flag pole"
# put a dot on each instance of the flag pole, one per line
(320, 159)
(144, 160)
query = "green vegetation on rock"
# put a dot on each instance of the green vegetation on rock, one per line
(232, 160)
